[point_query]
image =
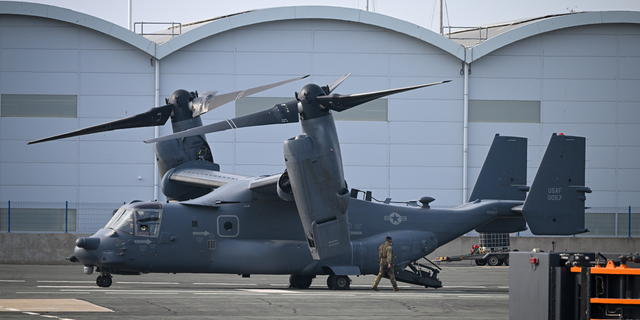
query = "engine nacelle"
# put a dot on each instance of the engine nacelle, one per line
(316, 178)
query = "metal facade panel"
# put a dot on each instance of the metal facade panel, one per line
(39, 60)
(366, 177)
(115, 61)
(446, 178)
(582, 112)
(425, 155)
(38, 174)
(269, 63)
(288, 38)
(445, 133)
(115, 152)
(434, 110)
(507, 67)
(362, 64)
(115, 175)
(98, 194)
(580, 67)
(200, 62)
(371, 154)
(47, 83)
(259, 153)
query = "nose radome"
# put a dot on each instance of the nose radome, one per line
(90, 243)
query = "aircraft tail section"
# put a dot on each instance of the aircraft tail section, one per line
(556, 201)
(504, 172)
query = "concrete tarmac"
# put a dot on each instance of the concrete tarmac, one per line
(65, 292)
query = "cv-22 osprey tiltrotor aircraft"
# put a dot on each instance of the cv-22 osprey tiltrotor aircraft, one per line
(305, 221)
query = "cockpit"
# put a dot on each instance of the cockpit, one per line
(142, 221)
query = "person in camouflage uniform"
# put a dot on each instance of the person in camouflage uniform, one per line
(386, 256)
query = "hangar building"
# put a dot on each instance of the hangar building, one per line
(62, 70)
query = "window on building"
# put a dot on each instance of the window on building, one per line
(39, 105)
(513, 111)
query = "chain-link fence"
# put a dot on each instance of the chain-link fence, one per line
(82, 217)
(55, 217)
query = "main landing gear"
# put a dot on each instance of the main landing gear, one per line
(299, 281)
(338, 282)
(104, 280)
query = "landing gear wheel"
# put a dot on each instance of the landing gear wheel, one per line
(481, 262)
(506, 261)
(330, 280)
(299, 281)
(494, 261)
(104, 280)
(341, 282)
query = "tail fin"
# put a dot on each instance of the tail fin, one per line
(504, 172)
(555, 204)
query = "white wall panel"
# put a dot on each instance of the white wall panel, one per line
(580, 67)
(361, 64)
(583, 112)
(115, 175)
(629, 135)
(506, 67)
(114, 106)
(273, 40)
(366, 178)
(273, 63)
(115, 61)
(17, 151)
(628, 90)
(259, 154)
(580, 90)
(117, 83)
(447, 133)
(628, 158)
(38, 193)
(579, 45)
(426, 178)
(628, 180)
(38, 174)
(115, 194)
(40, 37)
(199, 62)
(421, 65)
(351, 41)
(504, 89)
(601, 157)
(116, 152)
(365, 154)
(629, 44)
(46, 83)
(425, 155)
(602, 180)
(363, 132)
(39, 60)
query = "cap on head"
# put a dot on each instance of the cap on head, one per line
(389, 239)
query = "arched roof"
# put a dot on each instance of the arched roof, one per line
(318, 12)
(310, 12)
(80, 19)
(548, 25)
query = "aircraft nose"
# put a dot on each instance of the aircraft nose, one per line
(91, 243)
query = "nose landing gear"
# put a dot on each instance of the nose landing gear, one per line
(104, 280)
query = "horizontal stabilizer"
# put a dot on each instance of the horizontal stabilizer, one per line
(555, 204)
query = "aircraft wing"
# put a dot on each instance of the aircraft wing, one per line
(207, 175)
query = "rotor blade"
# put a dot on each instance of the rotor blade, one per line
(209, 101)
(337, 82)
(279, 113)
(154, 117)
(343, 102)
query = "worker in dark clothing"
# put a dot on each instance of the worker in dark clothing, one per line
(386, 256)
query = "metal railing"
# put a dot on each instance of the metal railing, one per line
(82, 217)
(172, 28)
(466, 33)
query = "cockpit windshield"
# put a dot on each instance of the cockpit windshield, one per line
(144, 222)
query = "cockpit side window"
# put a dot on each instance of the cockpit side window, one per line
(148, 222)
(122, 221)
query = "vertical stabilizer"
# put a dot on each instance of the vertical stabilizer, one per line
(555, 204)
(504, 172)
